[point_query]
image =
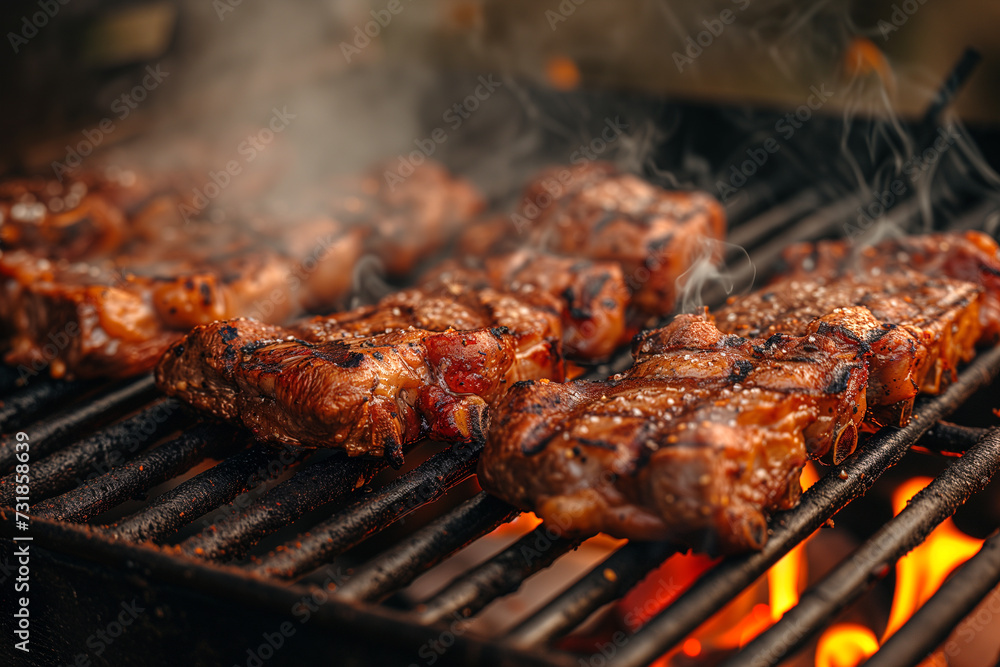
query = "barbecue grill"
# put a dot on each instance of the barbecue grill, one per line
(204, 600)
(142, 552)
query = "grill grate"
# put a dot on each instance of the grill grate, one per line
(245, 466)
(328, 492)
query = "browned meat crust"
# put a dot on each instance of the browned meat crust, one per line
(927, 326)
(702, 437)
(332, 383)
(592, 211)
(592, 295)
(971, 256)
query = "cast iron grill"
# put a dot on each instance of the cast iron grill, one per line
(116, 418)
(213, 590)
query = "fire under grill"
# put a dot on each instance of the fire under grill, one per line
(260, 581)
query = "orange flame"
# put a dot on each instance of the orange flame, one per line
(918, 575)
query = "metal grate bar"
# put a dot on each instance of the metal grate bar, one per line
(500, 575)
(48, 434)
(113, 488)
(350, 526)
(401, 564)
(605, 583)
(949, 439)
(23, 406)
(839, 487)
(206, 491)
(98, 453)
(316, 485)
(938, 501)
(934, 621)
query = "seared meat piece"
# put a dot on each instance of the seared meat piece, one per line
(87, 293)
(592, 295)
(971, 256)
(702, 437)
(531, 318)
(930, 323)
(591, 211)
(409, 218)
(368, 394)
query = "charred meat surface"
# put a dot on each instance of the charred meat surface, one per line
(592, 211)
(930, 321)
(697, 442)
(592, 295)
(971, 256)
(368, 395)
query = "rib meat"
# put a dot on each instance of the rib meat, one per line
(592, 211)
(374, 379)
(703, 436)
(929, 317)
(972, 256)
(592, 295)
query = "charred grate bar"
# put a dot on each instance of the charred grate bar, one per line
(47, 435)
(352, 525)
(942, 497)
(956, 598)
(842, 485)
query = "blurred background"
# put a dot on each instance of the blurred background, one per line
(696, 84)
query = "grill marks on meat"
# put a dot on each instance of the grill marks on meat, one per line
(531, 319)
(375, 379)
(972, 257)
(702, 437)
(928, 323)
(371, 395)
(592, 211)
(592, 295)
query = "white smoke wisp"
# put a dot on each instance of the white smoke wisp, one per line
(709, 281)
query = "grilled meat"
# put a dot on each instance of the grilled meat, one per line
(972, 256)
(703, 436)
(100, 275)
(410, 218)
(592, 295)
(591, 211)
(89, 292)
(372, 380)
(930, 322)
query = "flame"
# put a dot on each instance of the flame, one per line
(918, 575)
(923, 570)
(845, 645)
